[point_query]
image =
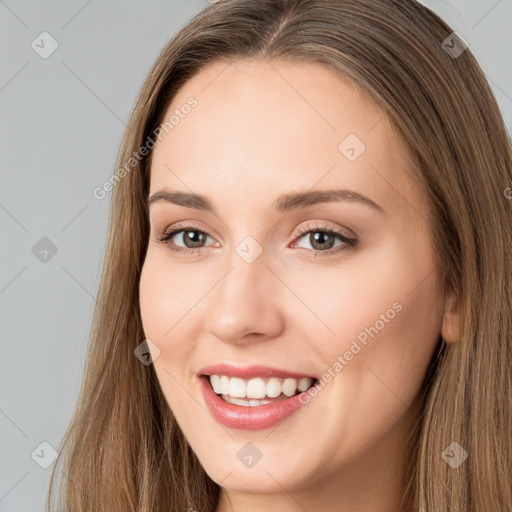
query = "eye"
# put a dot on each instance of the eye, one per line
(321, 238)
(192, 238)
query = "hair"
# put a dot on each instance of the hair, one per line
(123, 449)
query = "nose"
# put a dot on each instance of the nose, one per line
(244, 305)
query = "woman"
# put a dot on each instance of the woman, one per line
(306, 296)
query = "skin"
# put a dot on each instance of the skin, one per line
(262, 129)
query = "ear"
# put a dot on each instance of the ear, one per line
(450, 329)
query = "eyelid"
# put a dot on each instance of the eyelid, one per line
(187, 226)
(349, 241)
(301, 230)
(175, 229)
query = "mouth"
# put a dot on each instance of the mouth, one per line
(255, 402)
(257, 391)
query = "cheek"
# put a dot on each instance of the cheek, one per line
(403, 349)
(382, 311)
(378, 332)
(354, 294)
(167, 299)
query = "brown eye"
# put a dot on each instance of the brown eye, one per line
(193, 239)
(189, 239)
(322, 240)
(184, 239)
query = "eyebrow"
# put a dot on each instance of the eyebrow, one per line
(283, 203)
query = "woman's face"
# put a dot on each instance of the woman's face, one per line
(256, 284)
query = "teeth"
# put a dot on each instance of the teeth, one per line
(258, 387)
(245, 402)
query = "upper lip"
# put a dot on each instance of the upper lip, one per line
(249, 372)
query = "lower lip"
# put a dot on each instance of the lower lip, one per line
(251, 418)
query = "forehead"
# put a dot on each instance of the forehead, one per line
(261, 128)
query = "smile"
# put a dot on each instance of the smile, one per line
(259, 390)
(254, 404)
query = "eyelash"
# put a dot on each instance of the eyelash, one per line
(350, 243)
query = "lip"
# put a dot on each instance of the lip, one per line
(249, 372)
(250, 418)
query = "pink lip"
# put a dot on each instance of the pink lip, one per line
(249, 372)
(250, 418)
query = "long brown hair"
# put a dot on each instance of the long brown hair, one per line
(123, 450)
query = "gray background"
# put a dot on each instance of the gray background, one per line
(62, 119)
